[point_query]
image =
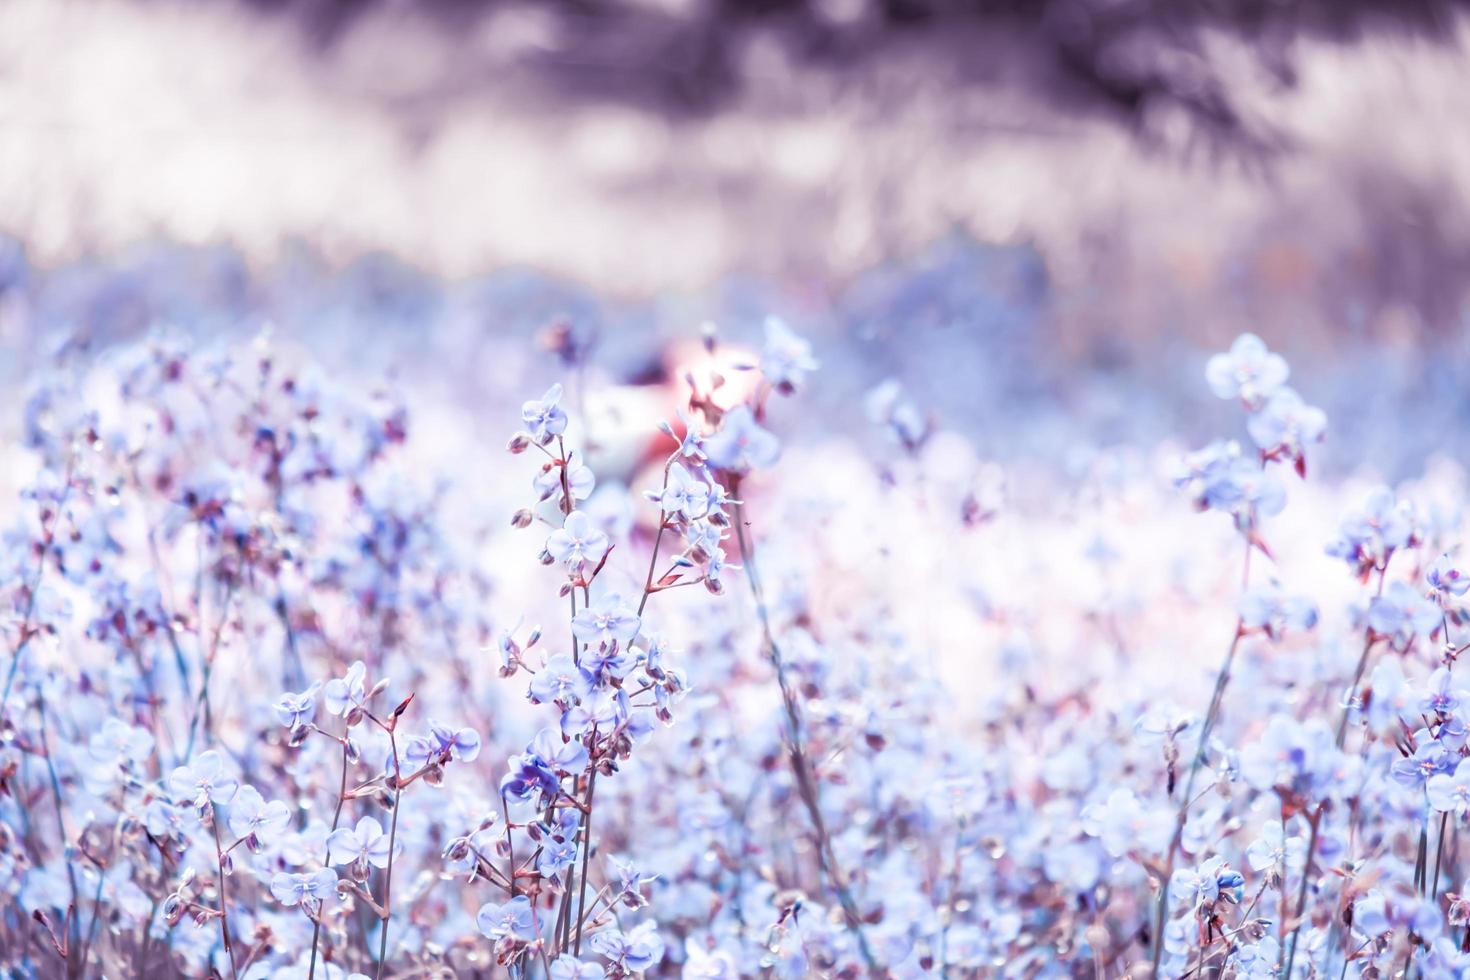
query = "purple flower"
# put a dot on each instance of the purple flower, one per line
(1249, 371)
(543, 418)
(529, 778)
(741, 444)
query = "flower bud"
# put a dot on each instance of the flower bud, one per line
(522, 518)
(519, 443)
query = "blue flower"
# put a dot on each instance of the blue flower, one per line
(514, 918)
(1428, 760)
(120, 745)
(606, 621)
(578, 541)
(555, 857)
(441, 744)
(1401, 614)
(344, 694)
(204, 781)
(252, 816)
(1300, 757)
(639, 949)
(543, 418)
(1274, 850)
(1446, 578)
(1443, 696)
(629, 881)
(296, 889)
(1269, 609)
(534, 774)
(296, 710)
(568, 967)
(1249, 371)
(579, 480)
(683, 494)
(365, 843)
(561, 680)
(786, 357)
(740, 444)
(563, 756)
(1367, 538)
(1286, 425)
(1450, 793)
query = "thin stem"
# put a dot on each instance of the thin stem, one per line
(224, 906)
(796, 751)
(1216, 699)
(388, 873)
(316, 932)
(1301, 895)
(586, 835)
(48, 535)
(73, 925)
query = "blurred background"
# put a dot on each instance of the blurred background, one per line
(1035, 215)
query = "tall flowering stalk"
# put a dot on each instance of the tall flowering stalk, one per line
(1221, 478)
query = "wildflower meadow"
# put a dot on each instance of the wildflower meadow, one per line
(680, 688)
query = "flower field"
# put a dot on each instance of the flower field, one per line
(665, 664)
